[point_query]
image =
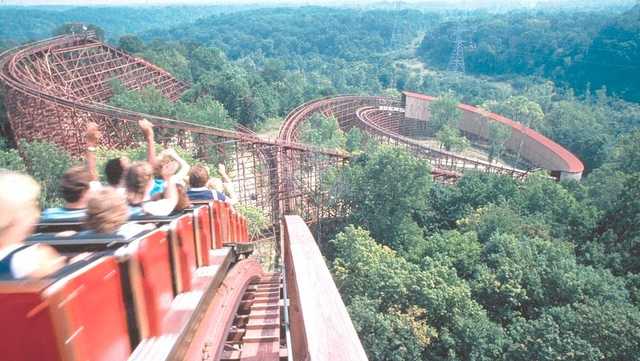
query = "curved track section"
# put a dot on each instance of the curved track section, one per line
(366, 113)
(384, 119)
(523, 141)
(56, 86)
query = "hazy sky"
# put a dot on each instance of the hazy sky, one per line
(317, 2)
(488, 4)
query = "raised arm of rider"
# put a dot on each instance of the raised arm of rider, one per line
(147, 130)
(92, 138)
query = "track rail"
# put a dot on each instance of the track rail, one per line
(17, 80)
(372, 115)
(258, 324)
(55, 86)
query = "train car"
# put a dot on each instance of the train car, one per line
(145, 297)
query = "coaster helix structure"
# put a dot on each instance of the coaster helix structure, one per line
(180, 292)
(403, 123)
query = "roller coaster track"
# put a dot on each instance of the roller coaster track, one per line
(55, 86)
(365, 112)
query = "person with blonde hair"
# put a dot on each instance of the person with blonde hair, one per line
(19, 212)
(165, 158)
(139, 182)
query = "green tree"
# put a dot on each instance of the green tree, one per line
(498, 136)
(444, 112)
(204, 59)
(567, 217)
(323, 131)
(625, 156)
(521, 277)
(205, 110)
(355, 139)
(589, 331)
(362, 267)
(459, 250)
(580, 128)
(390, 335)
(520, 109)
(131, 44)
(257, 220)
(10, 159)
(451, 139)
(386, 191)
(619, 229)
(148, 100)
(169, 57)
(231, 87)
(46, 163)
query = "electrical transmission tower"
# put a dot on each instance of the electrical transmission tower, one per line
(456, 61)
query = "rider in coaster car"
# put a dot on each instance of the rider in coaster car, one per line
(139, 181)
(107, 212)
(204, 188)
(18, 214)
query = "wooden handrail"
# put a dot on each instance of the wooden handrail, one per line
(321, 328)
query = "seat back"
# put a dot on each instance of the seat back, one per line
(81, 242)
(92, 311)
(225, 212)
(147, 261)
(183, 249)
(31, 335)
(77, 315)
(203, 231)
(244, 231)
(232, 228)
(218, 223)
(46, 225)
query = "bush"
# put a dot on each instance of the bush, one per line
(10, 159)
(323, 132)
(257, 220)
(46, 163)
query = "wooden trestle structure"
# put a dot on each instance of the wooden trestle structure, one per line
(198, 301)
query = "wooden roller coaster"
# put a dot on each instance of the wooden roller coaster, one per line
(186, 290)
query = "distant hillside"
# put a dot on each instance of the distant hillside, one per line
(338, 33)
(521, 42)
(19, 24)
(613, 59)
(581, 49)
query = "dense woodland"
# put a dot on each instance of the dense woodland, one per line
(584, 50)
(488, 269)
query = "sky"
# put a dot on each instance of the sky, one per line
(498, 5)
(472, 3)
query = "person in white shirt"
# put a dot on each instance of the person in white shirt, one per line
(139, 182)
